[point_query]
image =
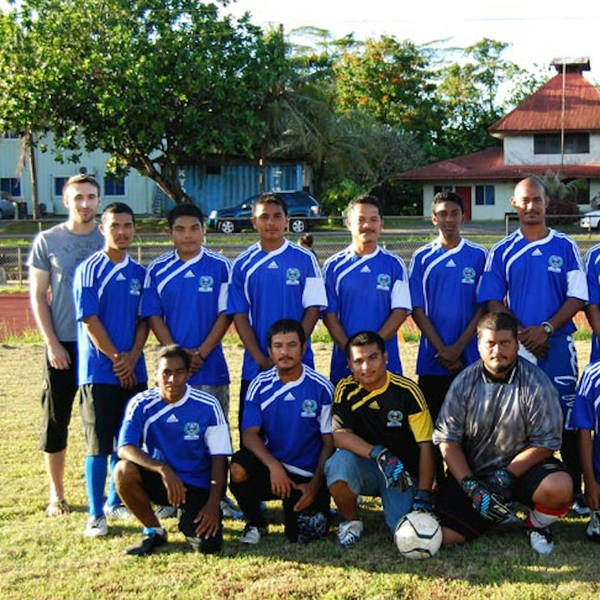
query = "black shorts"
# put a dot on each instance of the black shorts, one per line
(456, 511)
(195, 499)
(59, 387)
(102, 407)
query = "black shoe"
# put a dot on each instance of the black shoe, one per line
(149, 542)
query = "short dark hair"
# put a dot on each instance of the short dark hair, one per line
(118, 208)
(498, 321)
(286, 326)
(174, 351)
(270, 199)
(186, 209)
(307, 239)
(365, 338)
(365, 199)
(81, 178)
(447, 197)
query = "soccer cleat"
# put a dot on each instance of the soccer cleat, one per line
(151, 539)
(96, 527)
(592, 531)
(165, 512)
(228, 509)
(580, 508)
(540, 539)
(119, 511)
(310, 526)
(252, 534)
(349, 533)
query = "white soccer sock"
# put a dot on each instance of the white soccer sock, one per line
(542, 517)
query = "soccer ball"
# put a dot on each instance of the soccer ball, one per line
(418, 535)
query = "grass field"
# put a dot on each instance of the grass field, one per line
(44, 558)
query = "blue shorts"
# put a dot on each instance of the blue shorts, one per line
(364, 478)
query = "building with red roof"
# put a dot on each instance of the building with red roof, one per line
(567, 105)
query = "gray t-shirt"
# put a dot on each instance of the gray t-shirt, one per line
(58, 251)
(493, 422)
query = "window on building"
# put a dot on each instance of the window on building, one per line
(10, 135)
(59, 183)
(549, 143)
(10, 185)
(114, 187)
(485, 195)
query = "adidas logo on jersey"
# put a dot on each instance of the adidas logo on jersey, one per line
(365, 269)
(121, 277)
(172, 419)
(450, 263)
(537, 252)
(188, 275)
(289, 396)
(273, 265)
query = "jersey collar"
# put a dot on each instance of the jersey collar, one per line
(192, 260)
(373, 394)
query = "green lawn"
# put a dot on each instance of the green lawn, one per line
(43, 558)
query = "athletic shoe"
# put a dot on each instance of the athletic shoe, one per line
(349, 533)
(96, 526)
(310, 526)
(580, 508)
(252, 534)
(593, 529)
(151, 539)
(120, 511)
(540, 539)
(165, 512)
(228, 509)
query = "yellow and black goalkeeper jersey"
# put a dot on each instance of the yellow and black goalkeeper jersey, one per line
(394, 415)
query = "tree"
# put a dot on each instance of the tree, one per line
(154, 83)
(563, 195)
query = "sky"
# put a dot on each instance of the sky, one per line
(538, 30)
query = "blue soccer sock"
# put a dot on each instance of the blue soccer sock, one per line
(112, 498)
(95, 480)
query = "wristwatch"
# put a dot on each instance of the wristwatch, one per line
(547, 327)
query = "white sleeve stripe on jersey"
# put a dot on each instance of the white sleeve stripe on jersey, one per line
(353, 266)
(577, 285)
(222, 301)
(218, 440)
(209, 400)
(325, 418)
(218, 256)
(297, 470)
(432, 264)
(118, 267)
(523, 250)
(172, 259)
(182, 267)
(157, 415)
(517, 236)
(258, 263)
(314, 293)
(252, 251)
(88, 268)
(312, 374)
(400, 296)
(260, 379)
(284, 389)
(154, 264)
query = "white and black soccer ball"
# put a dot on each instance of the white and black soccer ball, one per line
(418, 535)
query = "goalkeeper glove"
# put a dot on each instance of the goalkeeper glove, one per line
(488, 504)
(391, 468)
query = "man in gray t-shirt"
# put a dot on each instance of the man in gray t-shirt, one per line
(54, 256)
(497, 430)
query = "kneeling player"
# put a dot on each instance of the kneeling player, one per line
(286, 433)
(497, 430)
(186, 440)
(586, 418)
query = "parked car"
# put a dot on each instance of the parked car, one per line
(7, 209)
(300, 205)
(591, 220)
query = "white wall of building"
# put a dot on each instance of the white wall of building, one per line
(518, 150)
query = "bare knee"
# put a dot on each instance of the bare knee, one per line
(555, 491)
(126, 473)
(451, 537)
(238, 473)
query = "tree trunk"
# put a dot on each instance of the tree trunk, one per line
(35, 206)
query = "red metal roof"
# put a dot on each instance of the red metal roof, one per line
(489, 165)
(542, 110)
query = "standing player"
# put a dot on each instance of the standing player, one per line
(592, 309)
(174, 444)
(274, 279)
(111, 368)
(367, 288)
(586, 417)
(54, 256)
(444, 276)
(286, 440)
(382, 429)
(540, 273)
(498, 428)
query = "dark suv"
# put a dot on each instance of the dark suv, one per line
(299, 206)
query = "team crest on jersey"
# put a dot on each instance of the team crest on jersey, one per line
(383, 282)
(468, 275)
(555, 263)
(205, 283)
(309, 408)
(292, 276)
(191, 430)
(135, 287)
(394, 418)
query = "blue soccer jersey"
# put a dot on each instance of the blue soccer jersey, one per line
(189, 296)
(586, 411)
(536, 277)
(111, 292)
(443, 283)
(592, 269)
(185, 434)
(268, 286)
(292, 416)
(362, 291)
